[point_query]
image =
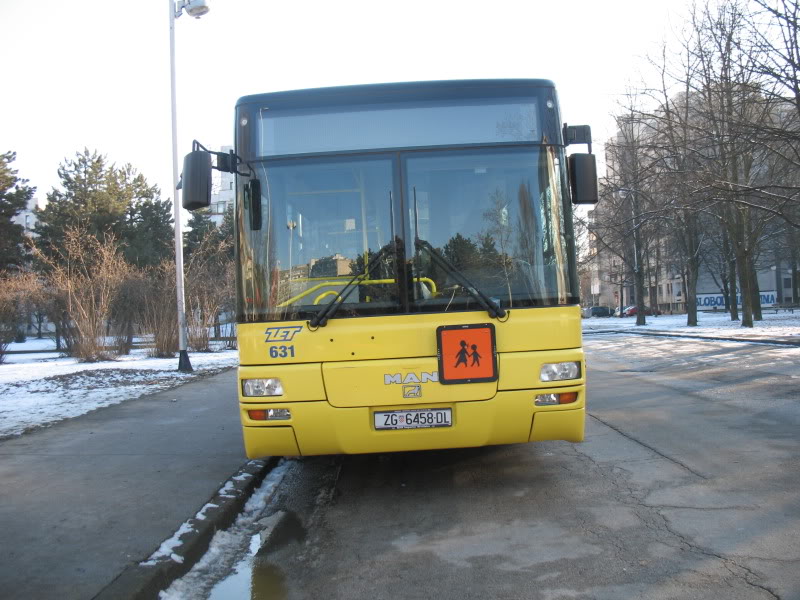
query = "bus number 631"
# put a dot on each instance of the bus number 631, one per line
(281, 351)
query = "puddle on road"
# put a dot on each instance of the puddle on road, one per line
(253, 577)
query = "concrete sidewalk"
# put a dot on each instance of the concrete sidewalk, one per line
(85, 499)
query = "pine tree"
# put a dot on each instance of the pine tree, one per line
(227, 232)
(462, 252)
(14, 198)
(104, 199)
(87, 199)
(149, 237)
(488, 251)
(199, 227)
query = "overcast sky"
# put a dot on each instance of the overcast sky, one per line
(95, 73)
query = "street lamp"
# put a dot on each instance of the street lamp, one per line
(291, 225)
(637, 272)
(196, 9)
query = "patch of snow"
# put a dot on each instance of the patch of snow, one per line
(30, 343)
(227, 545)
(783, 324)
(167, 548)
(226, 490)
(201, 515)
(41, 389)
(656, 354)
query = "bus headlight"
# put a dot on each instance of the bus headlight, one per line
(262, 387)
(560, 371)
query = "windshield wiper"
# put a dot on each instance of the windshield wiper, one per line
(495, 310)
(321, 318)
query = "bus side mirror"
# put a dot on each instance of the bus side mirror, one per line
(252, 203)
(196, 180)
(583, 178)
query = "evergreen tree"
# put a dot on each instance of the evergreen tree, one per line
(227, 232)
(149, 237)
(488, 251)
(104, 199)
(14, 198)
(462, 252)
(325, 267)
(199, 227)
(86, 199)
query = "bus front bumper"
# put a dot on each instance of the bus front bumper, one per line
(314, 428)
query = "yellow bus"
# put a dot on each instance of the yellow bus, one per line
(406, 274)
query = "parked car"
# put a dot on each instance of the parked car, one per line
(597, 311)
(631, 311)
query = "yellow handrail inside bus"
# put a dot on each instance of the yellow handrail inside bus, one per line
(314, 288)
(323, 294)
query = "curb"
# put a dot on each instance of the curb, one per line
(144, 582)
(656, 333)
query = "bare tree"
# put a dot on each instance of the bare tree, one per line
(209, 275)
(159, 309)
(627, 223)
(84, 278)
(15, 290)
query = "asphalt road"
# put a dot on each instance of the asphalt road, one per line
(85, 499)
(687, 487)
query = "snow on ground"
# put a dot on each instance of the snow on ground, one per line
(782, 325)
(602, 341)
(45, 343)
(655, 354)
(43, 388)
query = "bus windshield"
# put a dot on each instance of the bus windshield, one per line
(495, 214)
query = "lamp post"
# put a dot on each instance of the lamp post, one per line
(291, 225)
(196, 9)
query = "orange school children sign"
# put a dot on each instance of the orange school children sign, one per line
(466, 353)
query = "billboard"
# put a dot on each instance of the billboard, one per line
(712, 301)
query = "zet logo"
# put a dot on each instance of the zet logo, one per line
(281, 334)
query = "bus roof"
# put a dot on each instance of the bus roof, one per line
(397, 92)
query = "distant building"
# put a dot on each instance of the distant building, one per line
(336, 265)
(223, 196)
(27, 218)
(609, 281)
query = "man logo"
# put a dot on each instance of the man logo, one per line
(282, 334)
(423, 377)
(412, 391)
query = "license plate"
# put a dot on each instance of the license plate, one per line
(416, 418)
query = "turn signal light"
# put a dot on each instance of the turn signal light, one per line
(567, 398)
(553, 399)
(270, 414)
